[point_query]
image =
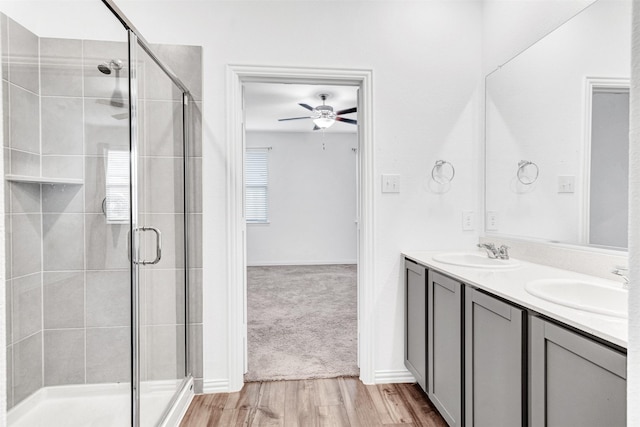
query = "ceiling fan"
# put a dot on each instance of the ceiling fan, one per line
(323, 115)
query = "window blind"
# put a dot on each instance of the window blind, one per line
(117, 187)
(256, 185)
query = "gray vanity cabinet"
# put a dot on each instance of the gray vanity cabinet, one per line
(415, 351)
(494, 367)
(574, 381)
(445, 353)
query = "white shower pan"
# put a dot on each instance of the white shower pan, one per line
(97, 405)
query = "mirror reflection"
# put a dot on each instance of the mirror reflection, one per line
(557, 125)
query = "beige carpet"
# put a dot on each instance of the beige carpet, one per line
(302, 322)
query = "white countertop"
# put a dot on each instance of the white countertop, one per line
(510, 285)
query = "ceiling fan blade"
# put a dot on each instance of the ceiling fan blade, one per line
(347, 111)
(293, 118)
(315, 127)
(350, 121)
(308, 107)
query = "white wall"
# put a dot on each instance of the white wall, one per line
(536, 111)
(425, 58)
(312, 200)
(510, 26)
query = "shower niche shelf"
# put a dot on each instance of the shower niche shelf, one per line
(43, 180)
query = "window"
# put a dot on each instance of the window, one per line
(116, 203)
(256, 164)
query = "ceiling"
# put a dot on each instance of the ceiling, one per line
(265, 103)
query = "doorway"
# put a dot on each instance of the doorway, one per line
(301, 239)
(237, 76)
(606, 164)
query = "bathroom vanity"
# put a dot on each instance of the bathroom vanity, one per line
(513, 343)
(490, 353)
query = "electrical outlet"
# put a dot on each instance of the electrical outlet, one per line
(468, 220)
(390, 183)
(492, 221)
(566, 184)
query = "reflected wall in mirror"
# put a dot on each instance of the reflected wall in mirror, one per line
(563, 105)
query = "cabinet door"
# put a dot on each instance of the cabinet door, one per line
(574, 381)
(493, 362)
(445, 346)
(415, 350)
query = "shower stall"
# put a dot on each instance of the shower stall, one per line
(102, 203)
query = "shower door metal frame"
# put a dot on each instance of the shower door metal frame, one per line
(135, 244)
(135, 41)
(146, 46)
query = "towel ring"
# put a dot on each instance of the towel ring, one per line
(442, 178)
(521, 174)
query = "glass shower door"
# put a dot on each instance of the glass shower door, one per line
(160, 237)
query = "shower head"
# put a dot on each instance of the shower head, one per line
(106, 67)
(117, 97)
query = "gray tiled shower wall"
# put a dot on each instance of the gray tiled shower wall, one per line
(67, 288)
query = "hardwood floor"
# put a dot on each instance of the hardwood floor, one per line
(324, 402)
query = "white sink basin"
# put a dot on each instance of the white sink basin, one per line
(585, 296)
(475, 260)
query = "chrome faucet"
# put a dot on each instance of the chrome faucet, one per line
(503, 252)
(492, 251)
(495, 253)
(622, 272)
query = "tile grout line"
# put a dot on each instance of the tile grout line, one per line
(13, 383)
(84, 210)
(41, 220)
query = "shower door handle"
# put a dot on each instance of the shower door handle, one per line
(158, 245)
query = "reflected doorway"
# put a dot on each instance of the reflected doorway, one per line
(607, 166)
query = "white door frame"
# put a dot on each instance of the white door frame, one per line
(592, 84)
(236, 76)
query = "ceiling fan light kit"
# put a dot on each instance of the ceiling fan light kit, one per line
(323, 115)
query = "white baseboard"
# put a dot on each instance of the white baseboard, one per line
(215, 386)
(391, 377)
(284, 263)
(380, 377)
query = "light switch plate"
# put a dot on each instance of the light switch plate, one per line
(566, 184)
(468, 220)
(390, 183)
(492, 221)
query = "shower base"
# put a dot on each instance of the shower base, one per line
(99, 405)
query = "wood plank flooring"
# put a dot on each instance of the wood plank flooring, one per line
(323, 402)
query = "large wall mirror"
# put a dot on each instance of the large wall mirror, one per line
(557, 125)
